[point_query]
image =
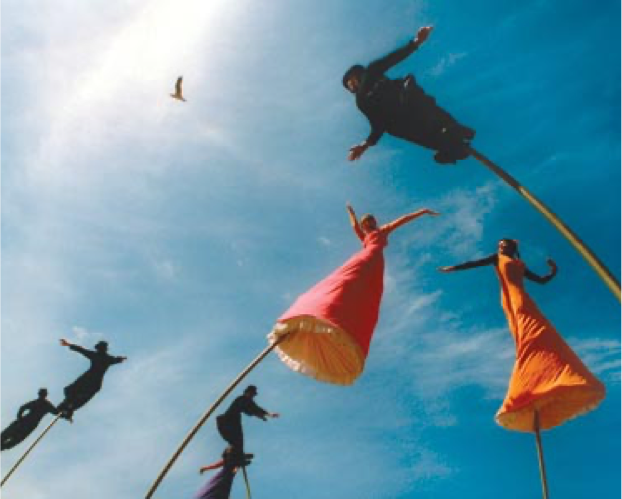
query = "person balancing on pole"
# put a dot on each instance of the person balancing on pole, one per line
(401, 108)
(229, 424)
(28, 418)
(88, 384)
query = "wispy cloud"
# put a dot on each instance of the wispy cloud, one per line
(445, 63)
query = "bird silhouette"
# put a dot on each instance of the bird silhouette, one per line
(178, 94)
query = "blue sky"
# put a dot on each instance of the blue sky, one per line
(180, 232)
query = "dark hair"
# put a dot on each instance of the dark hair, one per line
(43, 392)
(514, 243)
(102, 345)
(251, 388)
(355, 70)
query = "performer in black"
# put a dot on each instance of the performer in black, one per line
(401, 108)
(28, 418)
(229, 424)
(88, 384)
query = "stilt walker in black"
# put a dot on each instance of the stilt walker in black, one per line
(229, 424)
(88, 384)
(28, 418)
(401, 108)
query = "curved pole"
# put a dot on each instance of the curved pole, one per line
(603, 272)
(208, 413)
(34, 444)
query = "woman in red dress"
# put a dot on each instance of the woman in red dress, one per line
(329, 328)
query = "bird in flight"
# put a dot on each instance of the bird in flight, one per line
(178, 95)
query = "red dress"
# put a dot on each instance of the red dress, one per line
(329, 328)
(548, 376)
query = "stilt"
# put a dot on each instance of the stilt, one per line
(602, 271)
(247, 483)
(208, 413)
(34, 444)
(536, 429)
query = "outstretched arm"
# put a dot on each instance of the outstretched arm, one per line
(52, 409)
(545, 278)
(213, 466)
(489, 260)
(390, 227)
(76, 348)
(118, 360)
(355, 223)
(388, 61)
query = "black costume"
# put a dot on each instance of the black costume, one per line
(88, 384)
(229, 424)
(24, 425)
(401, 108)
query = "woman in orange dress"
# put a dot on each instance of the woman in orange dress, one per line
(549, 381)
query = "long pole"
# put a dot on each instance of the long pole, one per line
(208, 413)
(33, 445)
(603, 272)
(246, 482)
(536, 429)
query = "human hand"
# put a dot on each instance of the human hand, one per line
(552, 265)
(64, 343)
(423, 33)
(430, 212)
(445, 269)
(357, 151)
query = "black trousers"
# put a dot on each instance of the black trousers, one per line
(16, 433)
(231, 432)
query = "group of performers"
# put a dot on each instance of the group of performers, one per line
(77, 394)
(327, 332)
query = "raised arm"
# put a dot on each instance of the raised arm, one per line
(355, 223)
(545, 278)
(489, 260)
(390, 227)
(388, 61)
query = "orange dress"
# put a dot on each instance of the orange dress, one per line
(548, 376)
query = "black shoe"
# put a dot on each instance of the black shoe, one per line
(449, 156)
(466, 133)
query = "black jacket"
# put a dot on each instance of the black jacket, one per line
(399, 107)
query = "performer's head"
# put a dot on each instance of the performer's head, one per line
(250, 391)
(508, 247)
(102, 346)
(352, 78)
(43, 393)
(368, 223)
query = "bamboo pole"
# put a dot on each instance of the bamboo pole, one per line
(536, 428)
(246, 482)
(34, 444)
(207, 414)
(603, 272)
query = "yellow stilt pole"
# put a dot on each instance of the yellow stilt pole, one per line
(208, 413)
(246, 482)
(602, 271)
(34, 444)
(536, 429)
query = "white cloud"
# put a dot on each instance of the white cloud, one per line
(445, 63)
